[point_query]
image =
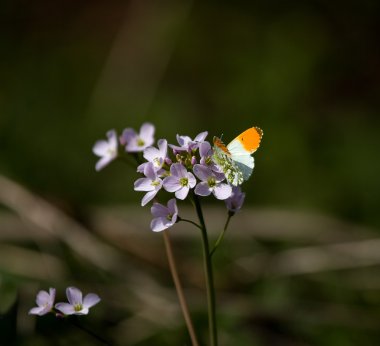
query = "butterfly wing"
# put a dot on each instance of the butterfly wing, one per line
(241, 149)
(235, 159)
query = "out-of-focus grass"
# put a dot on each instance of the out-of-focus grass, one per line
(280, 276)
(299, 265)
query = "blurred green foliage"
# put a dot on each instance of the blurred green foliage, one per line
(307, 73)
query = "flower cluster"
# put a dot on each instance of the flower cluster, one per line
(177, 169)
(77, 305)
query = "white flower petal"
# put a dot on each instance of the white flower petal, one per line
(151, 153)
(143, 184)
(201, 137)
(202, 189)
(104, 161)
(100, 148)
(178, 170)
(159, 210)
(148, 197)
(172, 206)
(191, 180)
(42, 298)
(147, 133)
(39, 310)
(171, 184)
(202, 172)
(90, 300)
(182, 192)
(74, 295)
(84, 311)
(157, 224)
(222, 191)
(65, 308)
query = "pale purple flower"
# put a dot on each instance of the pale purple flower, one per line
(138, 142)
(154, 155)
(106, 149)
(211, 182)
(180, 181)
(45, 302)
(188, 144)
(152, 183)
(164, 217)
(235, 202)
(206, 152)
(77, 305)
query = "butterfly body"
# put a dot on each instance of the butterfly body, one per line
(235, 159)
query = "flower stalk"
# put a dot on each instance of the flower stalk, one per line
(221, 236)
(179, 289)
(208, 275)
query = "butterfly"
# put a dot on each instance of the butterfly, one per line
(235, 159)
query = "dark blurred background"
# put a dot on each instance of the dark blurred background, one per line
(300, 264)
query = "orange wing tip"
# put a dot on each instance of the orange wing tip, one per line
(250, 139)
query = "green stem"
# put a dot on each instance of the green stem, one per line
(189, 221)
(221, 236)
(209, 275)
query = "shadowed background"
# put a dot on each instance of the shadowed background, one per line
(300, 264)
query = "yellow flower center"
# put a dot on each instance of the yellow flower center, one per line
(184, 181)
(78, 307)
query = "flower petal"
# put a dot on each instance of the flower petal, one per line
(42, 298)
(178, 170)
(147, 133)
(157, 224)
(202, 172)
(182, 192)
(84, 311)
(163, 147)
(143, 184)
(201, 137)
(100, 148)
(202, 189)
(150, 172)
(127, 135)
(191, 180)
(90, 300)
(222, 191)
(151, 153)
(112, 138)
(104, 161)
(205, 149)
(171, 184)
(65, 308)
(172, 206)
(39, 310)
(148, 197)
(74, 295)
(159, 210)
(183, 141)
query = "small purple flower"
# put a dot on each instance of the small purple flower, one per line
(138, 142)
(106, 149)
(187, 144)
(164, 217)
(235, 202)
(180, 181)
(152, 183)
(211, 182)
(45, 302)
(154, 155)
(206, 152)
(77, 305)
